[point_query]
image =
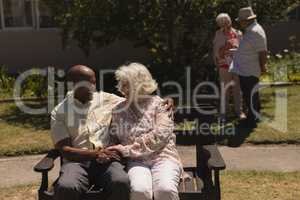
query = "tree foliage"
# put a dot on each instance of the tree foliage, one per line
(177, 33)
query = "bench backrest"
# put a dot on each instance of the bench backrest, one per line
(193, 124)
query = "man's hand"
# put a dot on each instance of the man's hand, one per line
(75, 154)
(169, 103)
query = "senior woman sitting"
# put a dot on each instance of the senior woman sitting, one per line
(225, 43)
(144, 129)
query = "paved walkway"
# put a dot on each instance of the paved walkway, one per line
(18, 170)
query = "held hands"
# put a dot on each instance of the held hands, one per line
(104, 156)
(131, 151)
(119, 148)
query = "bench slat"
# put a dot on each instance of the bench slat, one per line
(194, 184)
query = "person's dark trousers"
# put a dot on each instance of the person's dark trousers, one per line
(75, 179)
(248, 84)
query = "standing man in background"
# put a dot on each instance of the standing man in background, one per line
(249, 62)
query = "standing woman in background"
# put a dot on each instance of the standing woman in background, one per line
(225, 43)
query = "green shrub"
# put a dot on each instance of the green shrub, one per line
(33, 86)
(283, 66)
(6, 82)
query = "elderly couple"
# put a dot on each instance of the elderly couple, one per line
(240, 59)
(97, 133)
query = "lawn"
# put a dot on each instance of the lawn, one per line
(252, 185)
(22, 133)
(235, 185)
(24, 192)
(265, 133)
(282, 129)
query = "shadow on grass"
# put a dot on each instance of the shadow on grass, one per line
(12, 115)
(241, 133)
(232, 134)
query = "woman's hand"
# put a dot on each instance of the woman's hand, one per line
(102, 157)
(119, 148)
(126, 151)
(169, 103)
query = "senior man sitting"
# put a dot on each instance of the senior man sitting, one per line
(77, 127)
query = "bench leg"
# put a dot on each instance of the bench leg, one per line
(44, 184)
(204, 172)
(211, 178)
(217, 185)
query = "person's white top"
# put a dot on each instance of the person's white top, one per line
(86, 124)
(246, 59)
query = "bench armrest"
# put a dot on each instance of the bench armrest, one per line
(47, 163)
(215, 160)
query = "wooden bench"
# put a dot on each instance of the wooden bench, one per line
(204, 181)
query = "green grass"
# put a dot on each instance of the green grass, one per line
(22, 192)
(253, 185)
(237, 185)
(22, 133)
(271, 130)
(265, 133)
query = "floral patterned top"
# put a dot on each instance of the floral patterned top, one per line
(223, 43)
(147, 132)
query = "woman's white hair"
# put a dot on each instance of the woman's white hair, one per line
(223, 19)
(139, 78)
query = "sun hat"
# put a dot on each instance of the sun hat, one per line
(246, 14)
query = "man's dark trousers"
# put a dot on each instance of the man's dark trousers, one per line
(250, 97)
(75, 179)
